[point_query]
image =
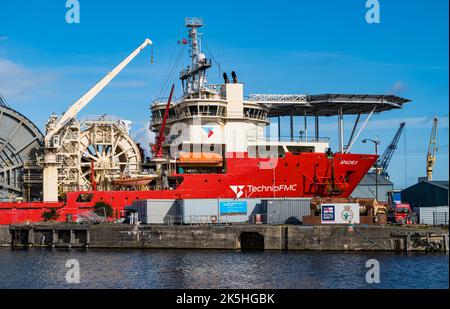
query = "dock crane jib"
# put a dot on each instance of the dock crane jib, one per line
(54, 127)
(57, 126)
(384, 160)
(432, 150)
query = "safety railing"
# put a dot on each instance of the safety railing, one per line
(298, 139)
(195, 220)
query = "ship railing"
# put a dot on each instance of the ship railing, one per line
(187, 220)
(193, 21)
(106, 119)
(30, 164)
(210, 114)
(97, 118)
(215, 89)
(297, 139)
(163, 101)
(277, 98)
(202, 220)
(32, 178)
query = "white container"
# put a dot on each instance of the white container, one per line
(199, 211)
(281, 211)
(194, 211)
(156, 211)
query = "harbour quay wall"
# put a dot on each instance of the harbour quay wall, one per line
(185, 237)
(232, 237)
(367, 238)
(5, 236)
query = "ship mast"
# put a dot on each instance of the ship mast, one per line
(193, 78)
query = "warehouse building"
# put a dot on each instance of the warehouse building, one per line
(429, 199)
(367, 188)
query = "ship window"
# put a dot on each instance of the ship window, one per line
(300, 149)
(254, 113)
(221, 111)
(193, 110)
(212, 111)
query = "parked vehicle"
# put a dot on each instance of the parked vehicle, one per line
(404, 214)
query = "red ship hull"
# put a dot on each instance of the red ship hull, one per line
(294, 175)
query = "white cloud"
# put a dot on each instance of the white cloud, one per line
(144, 136)
(18, 82)
(398, 87)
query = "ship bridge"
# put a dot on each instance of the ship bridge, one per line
(327, 105)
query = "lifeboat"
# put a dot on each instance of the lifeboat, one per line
(200, 159)
(133, 181)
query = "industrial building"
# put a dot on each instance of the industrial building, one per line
(428, 199)
(369, 186)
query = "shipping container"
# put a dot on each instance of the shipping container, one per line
(285, 211)
(156, 211)
(194, 211)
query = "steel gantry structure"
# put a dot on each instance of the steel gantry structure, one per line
(384, 160)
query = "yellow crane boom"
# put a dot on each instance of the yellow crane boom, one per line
(432, 150)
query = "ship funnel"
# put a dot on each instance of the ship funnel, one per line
(234, 76)
(225, 78)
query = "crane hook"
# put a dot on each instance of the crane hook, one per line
(151, 55)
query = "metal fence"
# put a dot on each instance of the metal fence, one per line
(440, 218)
(433, 215)
(202, 220)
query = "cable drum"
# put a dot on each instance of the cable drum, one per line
(20, 143)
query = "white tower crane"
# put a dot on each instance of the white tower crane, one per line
(50, 173)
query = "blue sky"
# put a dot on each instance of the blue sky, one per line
(313, 47)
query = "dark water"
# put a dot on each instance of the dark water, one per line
(41, 268)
